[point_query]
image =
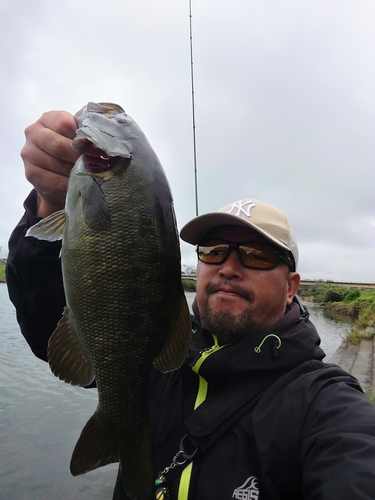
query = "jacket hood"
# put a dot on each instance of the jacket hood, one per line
(291, 341)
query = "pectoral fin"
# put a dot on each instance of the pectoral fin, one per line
(177, 342)
(68, 359)
(51, 228)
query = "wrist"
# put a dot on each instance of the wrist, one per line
(45, 208)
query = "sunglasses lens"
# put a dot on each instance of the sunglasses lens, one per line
(254, 255)
(259, 256)
(212, 254)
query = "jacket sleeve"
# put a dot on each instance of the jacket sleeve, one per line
(316, 439)
(34, 279)
(338, 446)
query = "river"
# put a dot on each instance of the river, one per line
(42, 417)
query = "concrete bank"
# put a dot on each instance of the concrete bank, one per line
(359, 361)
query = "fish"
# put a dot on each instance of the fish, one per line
(126, 310)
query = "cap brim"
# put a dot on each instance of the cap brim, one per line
(194, 231)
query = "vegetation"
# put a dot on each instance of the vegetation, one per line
(360, 304)
(189, 284)
(2, 272)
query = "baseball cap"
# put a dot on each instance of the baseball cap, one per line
(267, 220)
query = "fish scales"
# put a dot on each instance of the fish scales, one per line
(126, 308)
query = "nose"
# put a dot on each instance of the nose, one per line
(231, 267)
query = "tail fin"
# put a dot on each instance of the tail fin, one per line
(97, 447)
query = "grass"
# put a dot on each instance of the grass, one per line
(371, 396)
(356, 336)
(189, 285)
(2, 272)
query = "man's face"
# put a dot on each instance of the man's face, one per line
(233, 300)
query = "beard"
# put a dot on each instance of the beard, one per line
(229, 328)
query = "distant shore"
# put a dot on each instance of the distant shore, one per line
(358, 303)
(2, 272)
(188, 284)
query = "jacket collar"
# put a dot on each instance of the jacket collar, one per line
(298, 337)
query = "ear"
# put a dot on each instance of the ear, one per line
(294, 280)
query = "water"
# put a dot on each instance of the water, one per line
(42, 417)
(40, 421)
(332, 327)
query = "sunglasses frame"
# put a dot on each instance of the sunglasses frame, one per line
(283, 255)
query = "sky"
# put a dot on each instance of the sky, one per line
(284, 105)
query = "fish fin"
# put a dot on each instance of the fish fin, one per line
(95, 447)
(50, 228)
(178, 338)
(68, 359)
(98, 446)
(95, 207)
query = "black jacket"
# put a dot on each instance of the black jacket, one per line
(308, 431)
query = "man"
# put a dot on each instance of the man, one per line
(253, 413)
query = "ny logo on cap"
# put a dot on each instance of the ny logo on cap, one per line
(240, 207)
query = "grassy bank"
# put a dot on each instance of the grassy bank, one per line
(189, 285)
(360, 304)
(2, 272)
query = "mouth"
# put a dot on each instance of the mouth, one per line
(228, 291)
(96, 160)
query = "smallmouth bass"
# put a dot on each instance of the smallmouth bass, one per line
(125, 307)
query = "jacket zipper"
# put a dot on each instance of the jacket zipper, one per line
(183, 489)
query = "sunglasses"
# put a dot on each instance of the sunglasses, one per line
(251, 255)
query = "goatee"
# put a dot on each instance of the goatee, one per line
(229, 328)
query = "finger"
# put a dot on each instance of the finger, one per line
(50, 186)
(34, 156)
(48, 142)
(61, 122)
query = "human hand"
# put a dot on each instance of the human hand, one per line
(48, 157)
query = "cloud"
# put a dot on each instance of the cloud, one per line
(284, 105)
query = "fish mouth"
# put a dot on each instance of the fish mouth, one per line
(97, 161)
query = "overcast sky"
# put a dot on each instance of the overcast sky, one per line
(284, 105)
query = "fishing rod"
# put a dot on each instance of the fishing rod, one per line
(193, 111)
